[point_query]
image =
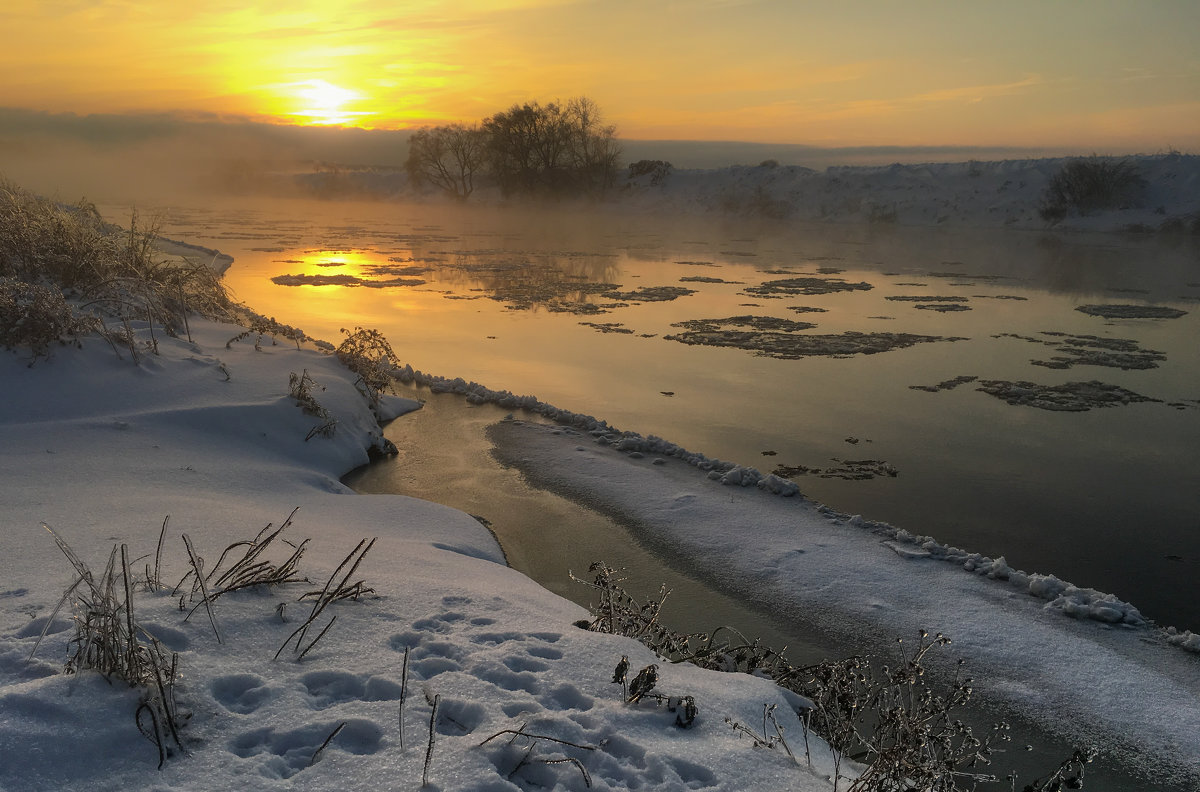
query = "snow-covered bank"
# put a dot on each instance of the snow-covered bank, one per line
(1006, 193)
(1119, 685)
(102, 450)
(974, 194)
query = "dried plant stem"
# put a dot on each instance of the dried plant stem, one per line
(403, 695)
(329, 739)
(432, 736)
(198, 568)
(156, 583)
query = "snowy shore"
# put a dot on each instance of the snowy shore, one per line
(999, 194)
(974, 194)
(1081, 663)
(101, 450)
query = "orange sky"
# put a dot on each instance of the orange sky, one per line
(1094, 74)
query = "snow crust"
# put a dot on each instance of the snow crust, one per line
(102, 450)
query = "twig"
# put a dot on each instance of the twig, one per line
(157, 582)
(432, 732)
(328, 740)
(522, 733)
(403, 695)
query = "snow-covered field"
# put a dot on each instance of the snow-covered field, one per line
(102, 450)
(983, 194)
(1005, 193)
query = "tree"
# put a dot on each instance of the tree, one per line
(447, 157)
(551, 149)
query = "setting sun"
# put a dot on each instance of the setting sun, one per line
(319, 102)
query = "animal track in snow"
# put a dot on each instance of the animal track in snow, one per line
(545, 652)
(524, 664)
(505, 679)
(328, 688)
(456, 717)
(289, 752)
(242, 693)
(567, 697)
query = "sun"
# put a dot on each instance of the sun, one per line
(322, 103)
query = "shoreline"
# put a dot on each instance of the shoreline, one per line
(100, 448)
(698, 527)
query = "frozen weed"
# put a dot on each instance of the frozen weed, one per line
(99, 272)
(528, 757)
(369, 355)
(894, 719)
(301, 387)
(766, 739)
(108, 640)
(35, 317)
(335, 589)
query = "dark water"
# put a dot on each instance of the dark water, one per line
(1107, 498)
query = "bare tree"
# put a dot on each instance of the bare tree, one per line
(447, 157)
(551, 149)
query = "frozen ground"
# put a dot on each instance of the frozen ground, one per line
(102, 450)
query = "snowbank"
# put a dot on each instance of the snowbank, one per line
(101, 450)
(1105, 677)
(974, 194)
(1006, 193)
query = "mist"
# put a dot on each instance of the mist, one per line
(160, 158)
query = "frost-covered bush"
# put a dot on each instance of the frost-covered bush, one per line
(369, 355)
(1090, 185)
(104, 269)
(34, 317)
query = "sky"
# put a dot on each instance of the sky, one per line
(1094, 74)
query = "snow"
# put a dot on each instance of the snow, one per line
(1005, 193)
(974, 194)
(102, 450)
(1105, 676)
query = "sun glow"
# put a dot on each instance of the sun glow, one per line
(321, 103)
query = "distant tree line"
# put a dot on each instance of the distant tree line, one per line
(551, 150)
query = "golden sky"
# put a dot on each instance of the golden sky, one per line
(1095, 74)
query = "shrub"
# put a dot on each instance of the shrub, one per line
(369, 355)
(34, 316)
(102, 269)
(1090, 185)
(657, 170)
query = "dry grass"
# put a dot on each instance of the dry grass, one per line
(886, 714)
(104, 277)
(109, 641)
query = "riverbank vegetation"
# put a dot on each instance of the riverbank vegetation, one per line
(551, 150)
(65, 272)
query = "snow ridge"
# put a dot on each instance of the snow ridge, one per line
(1067, 598)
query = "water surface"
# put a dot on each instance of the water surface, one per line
(576, 307)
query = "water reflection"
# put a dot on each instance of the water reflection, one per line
(1106, 498)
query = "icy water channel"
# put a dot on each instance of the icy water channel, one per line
(1028, 395)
